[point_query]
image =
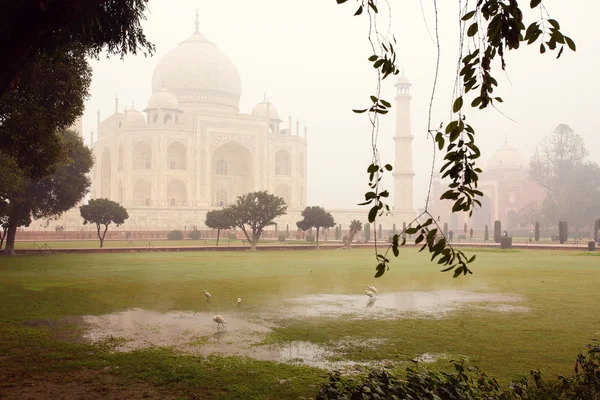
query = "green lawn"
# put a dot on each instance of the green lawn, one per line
(559, 288)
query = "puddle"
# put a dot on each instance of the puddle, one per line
(196, 333)
(397, 304)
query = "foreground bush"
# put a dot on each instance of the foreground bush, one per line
(175, 235)
(466, 383)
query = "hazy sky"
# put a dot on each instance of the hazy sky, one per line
(310, 57)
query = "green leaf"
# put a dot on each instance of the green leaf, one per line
(341, 1)
(468, 15)
(373, 214)
(360, 111)
(380, 270)
(542, 48)
(359, 11)
(373, 58)
(472, 30)
(388, 167)
(458, 103)
(570, 43)
(560, 51)
(534, 3)
(385, 103)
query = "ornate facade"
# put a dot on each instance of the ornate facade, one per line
(193, 150)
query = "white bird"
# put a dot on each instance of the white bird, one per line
(207, 295)
(369, 293)
(372, 288)
(220, 321)
(239, 301)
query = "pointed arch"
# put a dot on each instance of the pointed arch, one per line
(142, 193)
(283, 162)
(142, 156)
(106, 174)
(285, 192)
(177, 156)
(120, 195)
(176, 193)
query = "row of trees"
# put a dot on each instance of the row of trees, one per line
(571, 183)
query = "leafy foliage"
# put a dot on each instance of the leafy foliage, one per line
(562, 231)
(39, 108)
(56, 193)
(486, 234)
(497, 231)
(195, 234)
(103, 212)
(495, 27)
(315, 217)
(28, 28)
(537, 232)
(355, 227)
(255, 211)
(572, 185)
(367, 232)
(175, 235)
(466, 383)
(219, 219)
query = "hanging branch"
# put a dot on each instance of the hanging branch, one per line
(496, 27)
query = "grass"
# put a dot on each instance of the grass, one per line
(81, 244)
(560, 288)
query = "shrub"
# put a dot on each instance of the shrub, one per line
(596, 229)
(367, 232)
(175, 235)
(194, 235)
(394, 229)
(345, 238)
(591, 245)
(562, 232)
(232, 236)
(506, 242)
(466, 383)
(310, 238)
(445, 229)
(486, 234)
(537, 231)
(380, 231)
(281, 237)
(497, 231)
(471, 233)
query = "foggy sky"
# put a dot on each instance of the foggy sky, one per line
(310, 58)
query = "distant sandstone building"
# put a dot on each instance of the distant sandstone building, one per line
(507, 188)
(190, 149)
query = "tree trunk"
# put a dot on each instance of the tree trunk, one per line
(99, 237)
(12, 230)
(103, 236)
(350, 239)
(3, 237)
(253, 245)
(218, 234)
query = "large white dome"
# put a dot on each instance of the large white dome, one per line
(197, 68)
(506, 157)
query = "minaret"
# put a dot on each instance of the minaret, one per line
(116, 104)
(403, 167)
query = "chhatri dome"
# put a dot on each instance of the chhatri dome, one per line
(163, 99)
(265, 108)
(196, 68)
(506, 157)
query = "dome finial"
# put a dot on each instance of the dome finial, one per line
(197, 23)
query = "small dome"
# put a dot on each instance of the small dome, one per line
(506, 157)
(133, 116)
(402, 80)
(163, 99)
(264, 107)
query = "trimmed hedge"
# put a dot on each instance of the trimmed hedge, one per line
(175, 235)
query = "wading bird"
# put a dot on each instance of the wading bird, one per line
(372, 288)
(220, 321)
(207, 295)
(239, 301)
(369, 293)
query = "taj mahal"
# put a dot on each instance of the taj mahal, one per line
(190, 149)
